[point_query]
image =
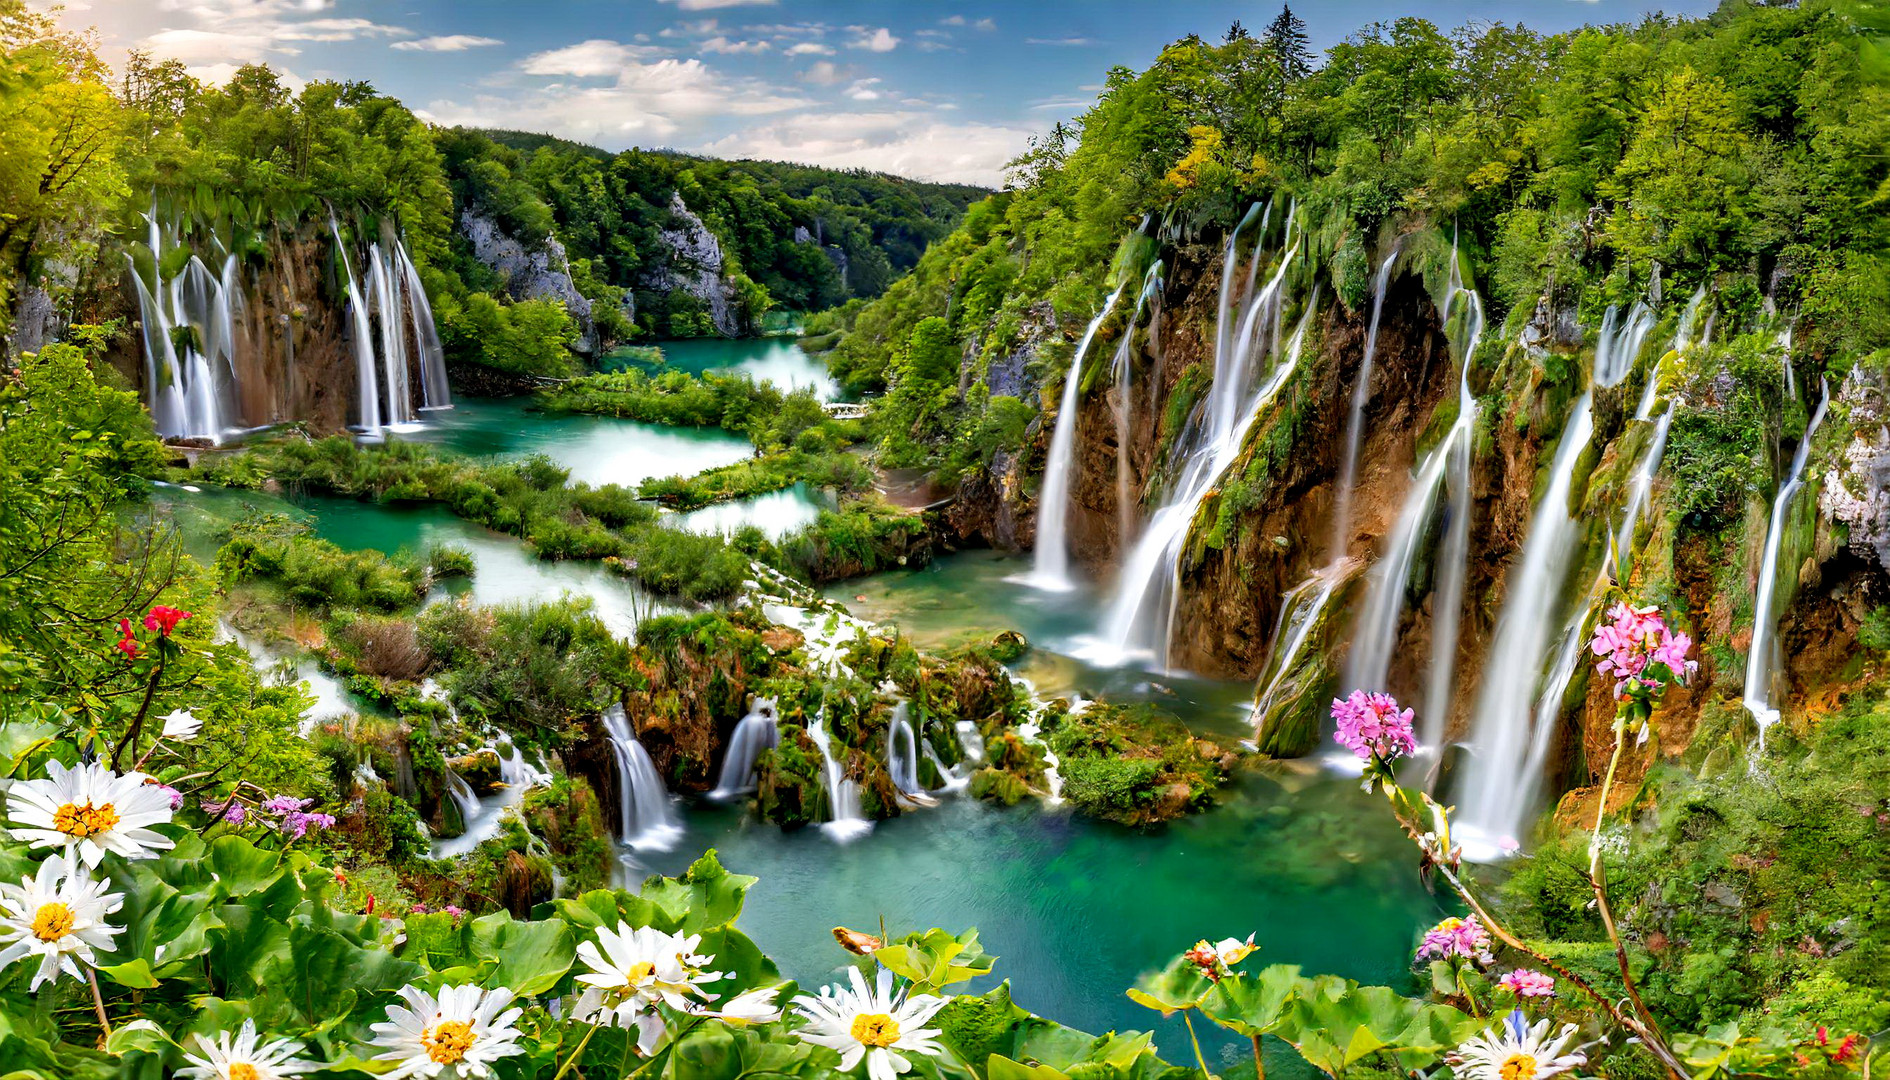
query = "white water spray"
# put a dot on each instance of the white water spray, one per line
(1759, 658)
(1051, 571)
(646, 820)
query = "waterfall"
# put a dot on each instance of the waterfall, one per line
(462, 795)
(1300, 611)
(1758, 694)
(1052, 565)
(1620, 342)
(902, 751)
(757, 731)
(390, 310)
(434, 393)
(1140, 618)
(950, 778)
(367, 384)
(1499, 791)
(1447, 468)
(1123, 375)
(189, 336)
(1354, 425)
(970, 740)
(645, 818)
(845, 822)
(1642, 487)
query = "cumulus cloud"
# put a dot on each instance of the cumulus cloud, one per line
(904, 142)
(960, 20)
(213, 37)
(721, 44)
(595, 58)
(823, 73)
(645, 103)
(809, 48)
(447, 43)
(862, 90)
(878, 40)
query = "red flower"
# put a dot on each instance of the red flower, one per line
(1845, 1049)
(126, 644)
(164, 619)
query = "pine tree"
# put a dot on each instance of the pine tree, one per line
(1237, 32)
(1287, 34)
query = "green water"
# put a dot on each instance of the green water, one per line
(597, 449)
(771, 360)
(1074, 908)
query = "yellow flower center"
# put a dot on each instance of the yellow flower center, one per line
(638, 972)
(84, 821)
(1518, 1067)
(875, 1029)
(448, 1043)
(243, 1070)
(52, 922)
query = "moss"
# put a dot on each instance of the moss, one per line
(789, 787)
(571, 820)
(996, 785)
(1134, 764)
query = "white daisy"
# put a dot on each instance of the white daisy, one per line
(459, 1034)
(748, 1007)
(1516, 1051)
(631, 970)
(242, 1059)
(181, 726)
(57, 915)
(89, 811)
(871, 1023)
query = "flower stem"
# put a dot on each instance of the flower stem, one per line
(1197, 1044)
(98, 1004)
(137, 722)
(1602, 907)
(1259, 1065)
(577, 1053)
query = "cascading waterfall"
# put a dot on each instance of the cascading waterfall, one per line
(463, 798)
(1642, 487)
(189, 336)
(902, 751)
(970, 740)
(1620, 342)
(1759, 658)
(1051, 569)
(434, 393)
(1499, 790)
(1355, 423)
(1139, 621)
(367, 382)
(1122, 374)
(845, 821)
(757, 731)
(1447, 468)
(1300, 611)
(646, 819)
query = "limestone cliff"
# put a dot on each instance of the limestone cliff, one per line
(693, 264)
(542, 273)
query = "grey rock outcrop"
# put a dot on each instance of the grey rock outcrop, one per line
(694, 266)
(530, 274)
(1856, 490)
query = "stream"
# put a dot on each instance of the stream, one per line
(1075, 909)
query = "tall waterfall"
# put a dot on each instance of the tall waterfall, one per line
(1122, 373)
(1139, 621)
(189, 339)
(1051, 571)
(1758, 695)
(1447, 468)
(1499, 788)
(845, 821)
(1355, 423)
(434, 393)
(757, 731)
(1642, 487)
(645, 817)
(367, 383)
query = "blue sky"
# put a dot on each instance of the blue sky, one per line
(942, 90)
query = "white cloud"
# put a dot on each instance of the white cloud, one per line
(985, 24)
(698, 28)
(595, 58)
(823, 73)
(1072, 41)
(902, 142)
(952, 20)
(646, 104)
(960, 20)
(880, 40)
(711, 5)
(862, 90)
(213, 37)
(720, 44)
(1061, 105)
(447, 43)
(809, 48)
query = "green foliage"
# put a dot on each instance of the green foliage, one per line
(1133, 764)
(526, 665)
(527, 337)
(315, 573)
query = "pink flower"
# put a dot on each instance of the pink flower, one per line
(126, 643)
(454, 910)
(234, 813)
(1454, 938)
(419, 909)
(1526, 983)
(1373, 724)
(1633, 638)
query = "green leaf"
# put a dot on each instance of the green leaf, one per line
(241, 867)
(133, 973)
(1255, 1004)
(532, 956)
(1003, 1068)
(137, 1035)
(1178, 986)
(936, 959)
